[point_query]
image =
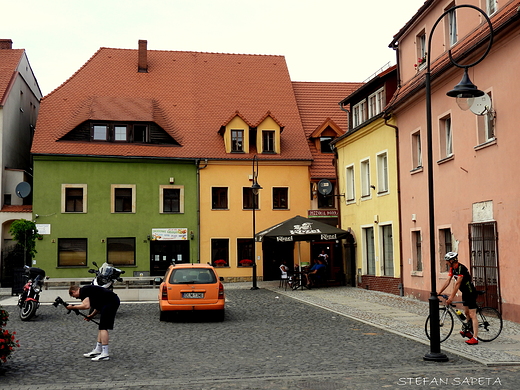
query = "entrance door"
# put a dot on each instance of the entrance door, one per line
(334, 259)
(484, 261)
(164, 253)
(274, 253)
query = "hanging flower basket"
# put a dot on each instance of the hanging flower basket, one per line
(246, 263)
(220, 263)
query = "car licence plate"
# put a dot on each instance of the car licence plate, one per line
(193, 295)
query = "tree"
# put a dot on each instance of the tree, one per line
(26, 234)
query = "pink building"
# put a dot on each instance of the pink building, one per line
(475, 152)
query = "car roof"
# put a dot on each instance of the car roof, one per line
(191, 265)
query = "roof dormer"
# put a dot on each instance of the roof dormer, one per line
(236, 134)
(324, 134)
(268, 133)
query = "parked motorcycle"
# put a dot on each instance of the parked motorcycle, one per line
(29, 299)
(106, 275)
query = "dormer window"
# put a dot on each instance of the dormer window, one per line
(268, 137)
(376, 103)
(100, 133)
(120, 133)
(359, 113)
(237, 140)
(325, 144)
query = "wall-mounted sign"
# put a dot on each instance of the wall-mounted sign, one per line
(323, 213)
(43, 228)
(170, 234)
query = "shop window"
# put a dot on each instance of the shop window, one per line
(72, 252)
(121, 251)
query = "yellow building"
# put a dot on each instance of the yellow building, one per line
(367, 175)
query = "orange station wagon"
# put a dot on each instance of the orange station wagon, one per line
(191, 287)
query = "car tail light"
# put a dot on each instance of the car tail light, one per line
(220, 290)
(164, 293)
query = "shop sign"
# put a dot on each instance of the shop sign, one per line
(169, 234)
(323, 213)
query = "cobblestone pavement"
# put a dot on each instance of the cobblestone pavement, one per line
(269, 340)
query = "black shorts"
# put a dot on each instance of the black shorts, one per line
(469, 300)
(108, 316)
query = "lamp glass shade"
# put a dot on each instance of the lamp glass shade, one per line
(465, 92)
(256, 188)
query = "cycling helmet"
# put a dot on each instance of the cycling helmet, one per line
(451, 256)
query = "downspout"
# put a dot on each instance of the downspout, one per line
(401, 284)
(342, 108)
(197, 164)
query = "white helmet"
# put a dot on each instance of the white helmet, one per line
(451, 256)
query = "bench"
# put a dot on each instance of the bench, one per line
(128, 282)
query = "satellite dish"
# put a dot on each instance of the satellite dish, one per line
(324, 187)
(23, 189)
(481, 105)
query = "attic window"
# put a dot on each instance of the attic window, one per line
(268, 141)
(237, 140)
(100, 133)
(325, 146)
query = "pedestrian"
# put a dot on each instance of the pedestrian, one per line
(106, 303)
(325, 257)
(463, 283)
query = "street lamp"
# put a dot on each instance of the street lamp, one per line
(255, 188)
(463, 91)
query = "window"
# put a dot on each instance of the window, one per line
(486, 125)
(446, 246)
(325, 146)
(359, 113)
(351, 189)
(382, 173)
(376, 103)
(73, 198)
(100, 133)
(268, 141)
(365, 178)
(121, 251)
(220, 251)
(451, 27)
(245, 252)
(72, 252)
(247, 199)
(171, 199)
(237, 140)
(491, 6)
(446, 137)
(219, 198)
(123, 198)
(416, 150)
(417, 251)
(420, 43)
(120, 133)
(280, 198)
(141, 133)
(388, 250)
(370, 256)
(326, 201)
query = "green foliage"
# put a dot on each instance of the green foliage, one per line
(26, 234)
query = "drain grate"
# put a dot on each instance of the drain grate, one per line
(321, 385)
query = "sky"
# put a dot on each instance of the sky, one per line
(325, 40)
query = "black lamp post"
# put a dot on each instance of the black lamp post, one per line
(255, 188)
(464, 92)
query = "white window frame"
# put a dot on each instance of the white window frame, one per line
(382, 173)
(369, 253)
(491, 6)
(421, 49)
(387, 262)
(161, 198)
(416, 150)
(376, 102)
(486, 125)
(64, 198)
(350, 190)
(359, 113)
(451, 27)
(364, 167)
(446, 136)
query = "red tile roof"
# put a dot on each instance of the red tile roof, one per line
(9, 60)
(16, 209)
(318, 103)
(189, 94)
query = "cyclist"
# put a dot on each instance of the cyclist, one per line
(469, 293)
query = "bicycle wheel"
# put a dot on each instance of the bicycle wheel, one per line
(489, 323)
(445, 324)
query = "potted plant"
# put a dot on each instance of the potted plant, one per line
(220, 263)
(7, 339)
(421, 61)
(246, 263)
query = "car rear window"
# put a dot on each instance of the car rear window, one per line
(192, 276)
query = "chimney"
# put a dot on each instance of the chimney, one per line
(142, 64)
(6, 44)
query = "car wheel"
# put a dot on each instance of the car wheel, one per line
(164, 316)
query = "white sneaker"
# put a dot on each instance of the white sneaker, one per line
(92, 354)
(100, 357)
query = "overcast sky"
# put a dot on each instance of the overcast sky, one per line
(322, 40)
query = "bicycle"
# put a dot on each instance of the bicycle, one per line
(489, 321)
